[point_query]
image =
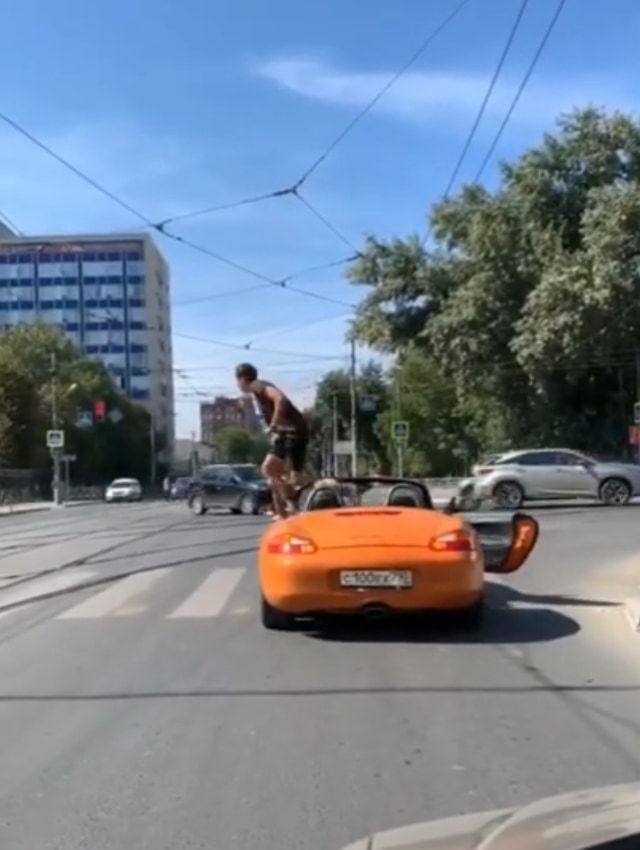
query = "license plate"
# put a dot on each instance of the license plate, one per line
(376, 578)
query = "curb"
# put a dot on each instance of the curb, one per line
(632, 612)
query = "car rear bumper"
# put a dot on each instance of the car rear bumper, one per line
(299, 588)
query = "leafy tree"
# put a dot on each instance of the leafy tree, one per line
(28, 383)
(527, 305)
(333, 398)
(239, 445)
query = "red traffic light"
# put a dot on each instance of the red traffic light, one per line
(99, 411)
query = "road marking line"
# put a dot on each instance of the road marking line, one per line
(116, 599)
(33, 589)
(211, 595)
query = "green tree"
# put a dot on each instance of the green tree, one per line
(528, 302)
(238, 445)
(333, 402)
(28, 383)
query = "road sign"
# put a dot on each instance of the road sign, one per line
(400, 431)
(342, 447)
(368, 404)
(116, 416)
(636, 413)
(84, 419)
(55, 439)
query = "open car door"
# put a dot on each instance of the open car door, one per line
(506, 541)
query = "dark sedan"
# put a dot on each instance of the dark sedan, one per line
(239, 487)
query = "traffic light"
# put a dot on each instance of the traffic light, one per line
(99, 411)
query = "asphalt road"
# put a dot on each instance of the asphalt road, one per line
(152, 710)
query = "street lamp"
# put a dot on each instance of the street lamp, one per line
(56, 484)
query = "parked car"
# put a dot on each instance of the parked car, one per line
(547, 474)
(124, 490)
(180, 488)
(241, 488)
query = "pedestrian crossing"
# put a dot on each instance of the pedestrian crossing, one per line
(159, 594)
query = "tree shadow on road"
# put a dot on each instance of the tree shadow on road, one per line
(503, 623)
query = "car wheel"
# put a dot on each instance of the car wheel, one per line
(197, 505)
(248, 505)
(472, 618)
(274, 619)
(615, 491)
(508, 495)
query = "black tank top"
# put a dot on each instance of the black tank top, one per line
(292, 418)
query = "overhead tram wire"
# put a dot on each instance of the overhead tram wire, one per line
(481, 111)
(12, 225)
(485, 101)
(295, 187)
(381, 93)
(249, 347)
(525, 80)
(159, 228)
(284, 280)
(324, 220)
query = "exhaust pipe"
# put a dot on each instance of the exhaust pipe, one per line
(375, 611)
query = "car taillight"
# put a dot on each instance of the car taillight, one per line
(453, 541)
(291, 544)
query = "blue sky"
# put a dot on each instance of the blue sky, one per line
(177, 107)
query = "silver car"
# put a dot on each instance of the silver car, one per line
(545, 474)
(124, 490)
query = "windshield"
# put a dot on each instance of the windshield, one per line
(124, 482)
(248, 473)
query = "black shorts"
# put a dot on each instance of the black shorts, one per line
(291, 447)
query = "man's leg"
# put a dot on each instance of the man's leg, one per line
(274, 469)
(298, 479)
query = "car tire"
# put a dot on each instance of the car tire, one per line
(274, 619)
(614, 492)
(471, 619)
(197, 505)
(508, 495)
(248, 505)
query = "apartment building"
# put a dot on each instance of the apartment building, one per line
(109, 294)
(223, 412)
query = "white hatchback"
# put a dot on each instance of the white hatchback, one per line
(124, 490)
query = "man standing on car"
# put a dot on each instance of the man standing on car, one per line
(288, 436)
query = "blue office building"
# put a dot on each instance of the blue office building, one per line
(109, 295)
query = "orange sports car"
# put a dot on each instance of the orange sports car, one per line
(377, 546)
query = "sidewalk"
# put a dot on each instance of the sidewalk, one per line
(31, 507)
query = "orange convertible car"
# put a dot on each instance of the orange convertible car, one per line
(376, 546)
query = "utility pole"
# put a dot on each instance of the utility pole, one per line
(399, 443)
(637, 393)
(152, 450)
(354, 410)
(56, 488)
(334, 437)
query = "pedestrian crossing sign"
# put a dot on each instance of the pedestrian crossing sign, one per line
(400, 431)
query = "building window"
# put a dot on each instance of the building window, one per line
(92, 349)
(136, 392)
(134, 255)
(137, 348)
(138, 326)
(136, 302)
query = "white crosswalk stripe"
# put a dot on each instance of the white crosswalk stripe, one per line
(132, 597)
(209, 599)
(123, 599)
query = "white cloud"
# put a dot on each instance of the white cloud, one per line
(422, 95)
